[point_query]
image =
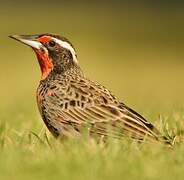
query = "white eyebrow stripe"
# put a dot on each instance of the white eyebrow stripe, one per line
(66, 45)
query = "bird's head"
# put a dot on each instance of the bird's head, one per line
(54, 53)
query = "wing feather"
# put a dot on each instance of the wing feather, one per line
(108, 122)
(93, 104)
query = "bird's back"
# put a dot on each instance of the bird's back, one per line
(71, 101)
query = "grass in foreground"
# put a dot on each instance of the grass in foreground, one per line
(30, 155)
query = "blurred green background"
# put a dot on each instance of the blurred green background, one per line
(134, 48)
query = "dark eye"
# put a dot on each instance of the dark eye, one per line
(52, 43)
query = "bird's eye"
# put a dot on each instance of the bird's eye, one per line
(52, 43)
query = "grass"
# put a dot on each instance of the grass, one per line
(28, 151)
(30, 155)
(136, 52)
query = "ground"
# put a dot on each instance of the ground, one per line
(25, 154)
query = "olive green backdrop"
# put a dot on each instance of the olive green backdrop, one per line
(133, 48)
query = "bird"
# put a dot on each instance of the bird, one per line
(69, 102)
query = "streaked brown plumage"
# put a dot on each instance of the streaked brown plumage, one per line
(68, 101)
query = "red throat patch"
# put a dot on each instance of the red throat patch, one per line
(45, 62)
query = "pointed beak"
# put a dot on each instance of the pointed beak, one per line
(30, 40)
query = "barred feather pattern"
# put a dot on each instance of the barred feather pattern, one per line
(69, 102)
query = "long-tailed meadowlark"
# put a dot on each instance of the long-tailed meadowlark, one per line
(68, 101)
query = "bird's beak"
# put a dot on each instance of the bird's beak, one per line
(30, 40)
